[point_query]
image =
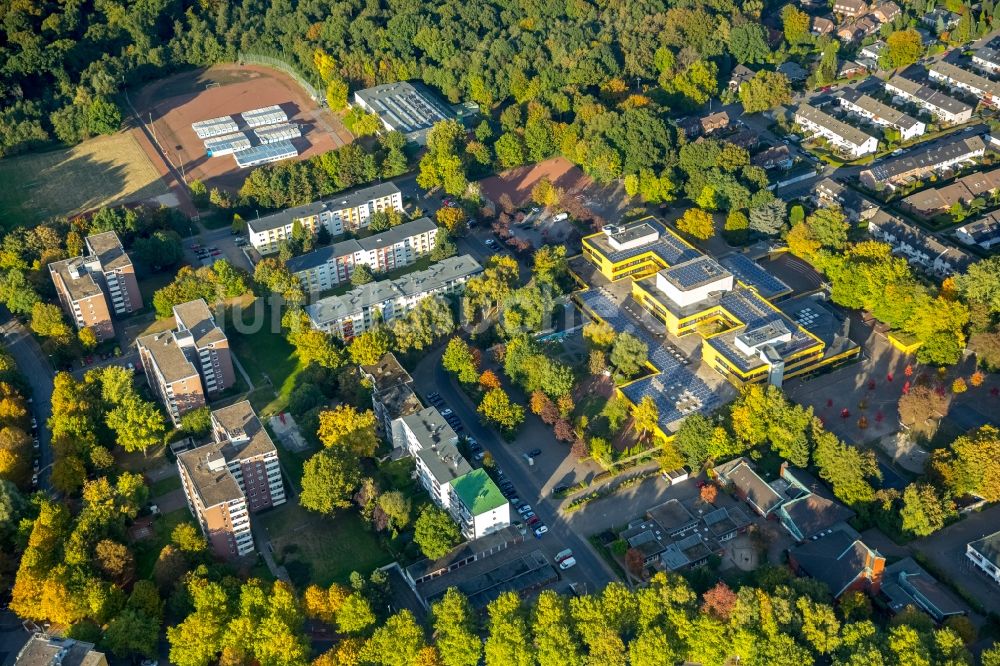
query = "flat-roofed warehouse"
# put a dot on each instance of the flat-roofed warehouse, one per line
(227, 144)
(206, 129)
(268, 115)
(265, 154)
(409, 108)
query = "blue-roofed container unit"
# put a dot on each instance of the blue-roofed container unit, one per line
(265, 154)
(227, 144)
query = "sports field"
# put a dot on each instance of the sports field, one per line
(99, 172)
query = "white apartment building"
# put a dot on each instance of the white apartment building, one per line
(951, 75)
(986, 59)
(344, 212)
(985, 554)
(356, 311)
(397, 247)
(469, 496)
(846, 138)
(946, 109)
(868, 107)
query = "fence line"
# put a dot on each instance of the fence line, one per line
(280, 63)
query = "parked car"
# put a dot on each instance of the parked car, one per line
(561, 488)
(34, 443)
(534, 520)
(492, 244)
(524, 509)
(534, 453)
(539, 531)
(563, 554)
(447, 412)
(567, 563)
(34, 480)
(528, 515)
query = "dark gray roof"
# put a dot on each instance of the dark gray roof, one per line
(927, 158)
(874, 106)
(757, 491)
(813, 514)
(964, 76)
(340, 201)
(376, 241)
(836, 559)
(929, 96)
(695, 273)
(988, 547)
(835, 125)
(907, 583)
(43, 650)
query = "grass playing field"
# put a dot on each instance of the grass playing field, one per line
(99, 172)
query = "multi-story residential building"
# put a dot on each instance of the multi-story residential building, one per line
(44, 650)
(962, 79)
(98, 283)
(394, 248)
(983, 185)
(938, 157)
(356, 311)
(830, 193)
(206, 344)
(918, 246)
(348, 211)
(985, 554)
(234, 476)
(407, 107)
(846, 138)
(943, 107)
(392, 392)
(171, 374)
(984, 232)
(868, 107)
(986, 59)
(470, 496)
(188, 363)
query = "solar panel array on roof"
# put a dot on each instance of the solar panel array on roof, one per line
(206, 129)
(752, 274)
(695, 272)
(668, 247)
(268, 115)
(275, 133)
(264, 154)
(227, 144)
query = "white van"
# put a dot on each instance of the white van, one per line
(562, 555)
(567, 563)
(560, 217)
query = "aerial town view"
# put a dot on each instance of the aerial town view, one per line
(572, 334)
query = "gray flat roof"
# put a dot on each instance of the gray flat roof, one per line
(168, 357)
(405, 106)
(108, 249)
(376, 241)
(335, 308)
(244, 429)
(350, 199)
(196, 317)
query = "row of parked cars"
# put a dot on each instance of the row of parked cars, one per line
(446, 411)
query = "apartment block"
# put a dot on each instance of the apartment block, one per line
(206, 344)
(392, 392)
(190, 362)
(868, 107)
(961, 79)
(344, 212)
(100, 282)
(918, 246)
(947, 109)
(938, 157)
(986, 59)
(45, 650)
(846, 138)
(394, 248)
(234, 476)
(985, 554)
(356, 311)
(469, 495)
(171, 374)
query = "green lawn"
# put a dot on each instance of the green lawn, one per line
(147, 551)
(271, 363)
(149, 285)
(164, 486)
(322, 550)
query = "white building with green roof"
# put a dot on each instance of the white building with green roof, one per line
(477, 505)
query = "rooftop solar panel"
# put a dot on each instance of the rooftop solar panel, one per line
(752, 274)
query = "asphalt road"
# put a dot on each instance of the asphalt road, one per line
(37, 371)
(591, 570)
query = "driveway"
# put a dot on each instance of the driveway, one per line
(37, 371)
(946, 549)
(629, 504)
(533, 483)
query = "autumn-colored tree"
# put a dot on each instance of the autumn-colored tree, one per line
(454, 220)
(599, 334)
(708, 493)
(697, 223)
(719, 601)
(489, 380)
(542, 406)
(959, 385)
(346, 428)
(563, 430)
(976, 379)
(634, 562)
